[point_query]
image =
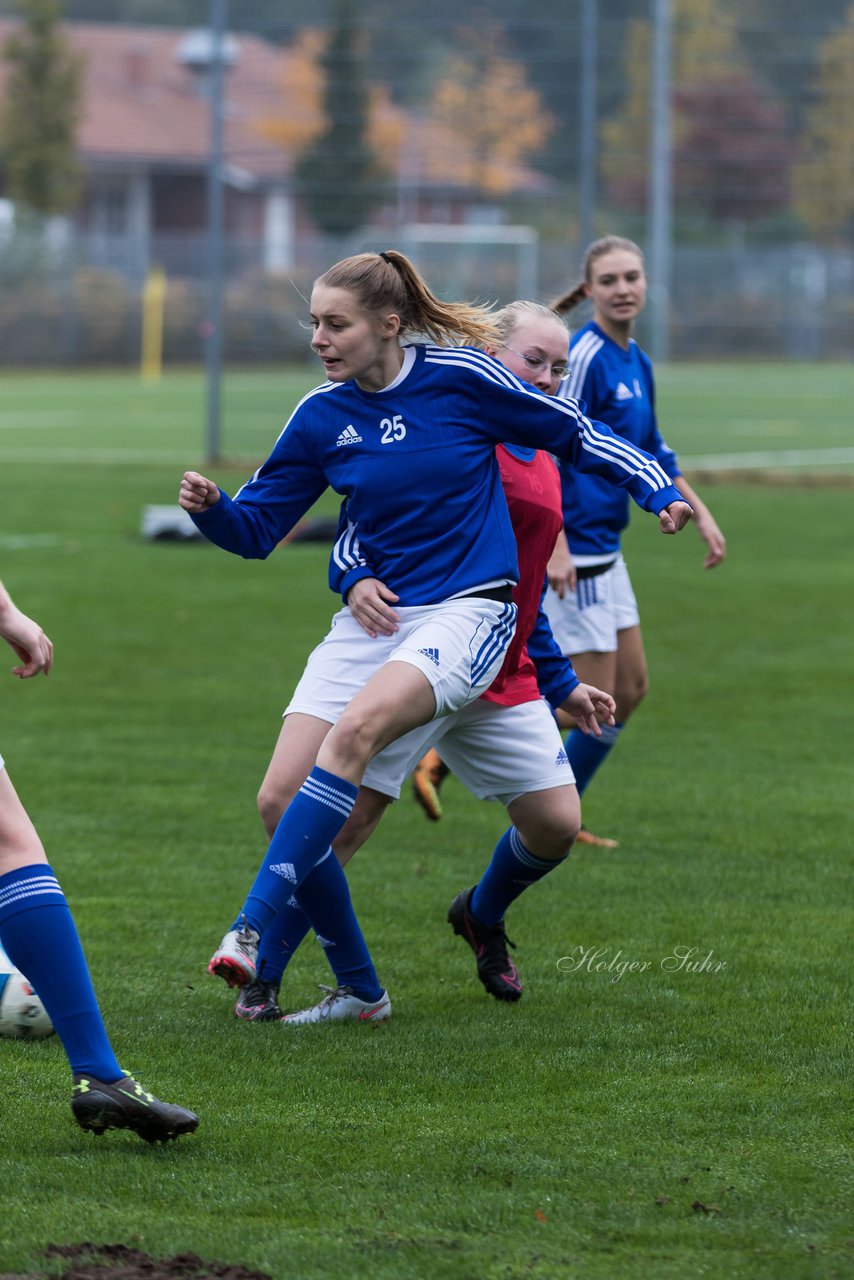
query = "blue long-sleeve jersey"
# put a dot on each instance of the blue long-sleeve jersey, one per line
(417, 465)
(617, 387)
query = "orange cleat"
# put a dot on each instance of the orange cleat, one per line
(427, 777)
(599, 842)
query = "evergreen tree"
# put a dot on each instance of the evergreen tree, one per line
(40, 113)
(339, 175)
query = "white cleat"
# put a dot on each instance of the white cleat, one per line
(236, 958)
(340, 1005)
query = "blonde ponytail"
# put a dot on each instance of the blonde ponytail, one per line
(388, 281)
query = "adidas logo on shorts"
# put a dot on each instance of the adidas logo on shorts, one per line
(432, 654)
(561, 757)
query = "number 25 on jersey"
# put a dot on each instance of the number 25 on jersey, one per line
(392, 429)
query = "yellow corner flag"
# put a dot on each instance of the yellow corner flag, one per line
(153, 297)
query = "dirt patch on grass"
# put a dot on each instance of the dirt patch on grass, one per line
(120, 1262)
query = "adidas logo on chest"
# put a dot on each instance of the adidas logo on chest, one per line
(622, 392)
(349, 436)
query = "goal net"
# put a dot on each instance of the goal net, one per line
(479, 263)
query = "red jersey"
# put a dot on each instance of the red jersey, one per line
(533, 493)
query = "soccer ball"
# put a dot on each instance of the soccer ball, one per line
(22, 1014)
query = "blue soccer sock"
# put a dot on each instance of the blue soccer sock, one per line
(587, 753)
(327, 892)
(308, 826)
(325, 898)
(280, 941)
(512, 870)
(40, 938)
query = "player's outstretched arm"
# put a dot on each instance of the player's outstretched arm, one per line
(26, 638)
(705, 524)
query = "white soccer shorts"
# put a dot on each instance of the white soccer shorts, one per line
(587, 620)
(498, 753)
(459, 645)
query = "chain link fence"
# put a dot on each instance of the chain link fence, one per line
(68, 305)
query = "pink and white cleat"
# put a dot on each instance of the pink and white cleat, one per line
(340, 1005)
(236, 958)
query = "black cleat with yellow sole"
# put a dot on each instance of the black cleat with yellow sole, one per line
(124, 1104)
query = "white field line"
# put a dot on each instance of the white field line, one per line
(746, 461)
(106, 456)
(37, 420)
(767, 459)
(27, 541)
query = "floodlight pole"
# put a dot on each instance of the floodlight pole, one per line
(588, 113)
(660, 181)
(213, 328)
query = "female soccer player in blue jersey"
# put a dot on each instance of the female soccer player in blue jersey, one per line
(38, 935)
(505, 746)
(591, 605)
(407, 434)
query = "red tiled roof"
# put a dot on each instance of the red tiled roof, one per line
(140, 104)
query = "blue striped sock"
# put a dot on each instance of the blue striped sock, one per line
(511, 871)
(325, 897)
(39, 936)
(280, 941)
(587, 753)
(308, 826)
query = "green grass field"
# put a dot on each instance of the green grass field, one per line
(663, 1124)
(706, 409)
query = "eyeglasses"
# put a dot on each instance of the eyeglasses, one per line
(536, 364)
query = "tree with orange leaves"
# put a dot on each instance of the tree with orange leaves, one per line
(484, 102)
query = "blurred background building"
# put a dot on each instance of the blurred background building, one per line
(491, 146)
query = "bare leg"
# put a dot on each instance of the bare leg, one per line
(20, 845)
(293, 758)
(396, 699)
(547, 821)
(623, 674)
(632, 683)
